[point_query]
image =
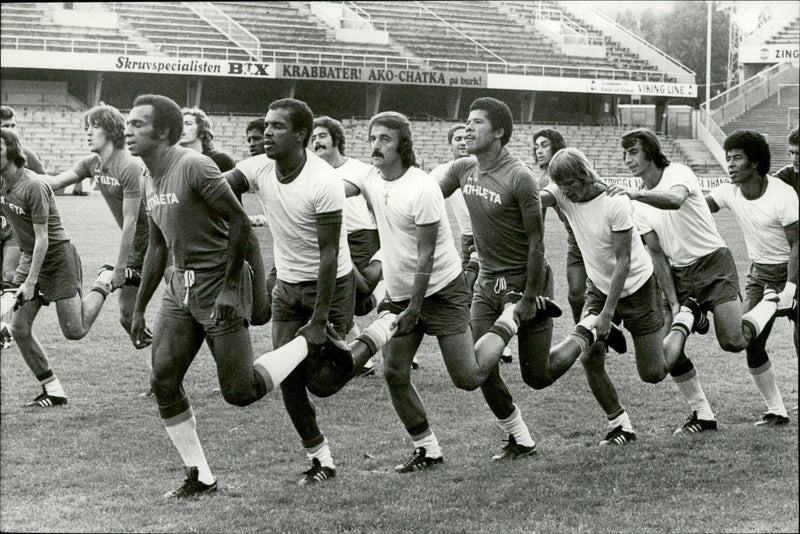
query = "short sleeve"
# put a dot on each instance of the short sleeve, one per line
(328, 194)
(788, 208)
(449, 178)
(252, 168)
(131, 179)
(357, 179)
(720, 195)
(526, 191)
(429, 203)
(39, 201)
(84, 167)
(206, 178)
(620, 213)
(683, 176)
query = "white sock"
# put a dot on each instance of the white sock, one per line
(692, 391)
(507, 351)
(380, 331)
(764, 377)
(275, 366)
(684, 318)
(322, 453)
(760, 315)
(621, 420)
(431, 445)
(7, 301)
(53, 387)
(515, 426)
(184, 437)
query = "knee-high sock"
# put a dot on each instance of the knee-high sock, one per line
(759, 316)
(689, 386)
(182, 430)
(764, 377)
(275, 366)
(515, 426)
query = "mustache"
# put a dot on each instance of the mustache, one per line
(317, 146)
(377, 154)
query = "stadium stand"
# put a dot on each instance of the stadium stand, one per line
(31, 26)
(788, 34)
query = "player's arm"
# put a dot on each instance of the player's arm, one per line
(329, 227)
(712, 204)
(33, 162)
(662, 270)
(792, 237)
(226, 205)
(64, 179)
(547, 200)
(621, 241)
(528, 198)
(237, 180)
(663, 200)
(42, 241)
(130, 215)
(155, 261)
(350, 189)
(426, 247)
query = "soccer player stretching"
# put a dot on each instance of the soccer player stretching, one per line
(195, 216)
(49, 269)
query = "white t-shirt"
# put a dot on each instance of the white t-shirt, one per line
(292, 209)
(762, 220)
(358, 214)
(399, 206)
(593, 223)
(686, 234)
(456, 201)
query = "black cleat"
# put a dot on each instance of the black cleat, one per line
(693, 425)
(133, 277)
(418, 462)
(513, 450)
(545, 307)
(191, 487)
(506, 357)
(617, 436)
(701, 322)
(46, 401)
(772, 419)
(316, 474)
(336, 351)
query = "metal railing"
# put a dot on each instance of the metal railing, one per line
(450, 26)
(71, 44)
(362, 16)
(224, 24)
(751, 92)
(641, 41)
(547, 14)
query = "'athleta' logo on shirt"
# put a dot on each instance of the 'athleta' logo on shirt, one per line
(480, 191)
(107, 180)
(14, 208)
(160, 199)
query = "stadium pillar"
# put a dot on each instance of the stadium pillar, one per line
(289, 89)
(94, 88)
(454, 103)
(527, 103)
(373, 99)
(194, 91)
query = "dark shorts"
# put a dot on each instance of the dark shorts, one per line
(641, 312)
(61, 276)
(295, 302)
(487, 301)
(574, 256)
(446, 312)
(712, 280)
(467, 244)
(199, 306)
(363, 246)
(762, 276)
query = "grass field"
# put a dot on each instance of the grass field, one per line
(102, 463)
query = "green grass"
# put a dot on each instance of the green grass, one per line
(101, 463)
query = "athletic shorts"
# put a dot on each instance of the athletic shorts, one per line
(444, 313)
(487, 301)
(190, 295)
(574, 256)
(762, 276)
(712, 280)
(363, 246)
(61, 276)
(295, 302)
(7, 235)
(641, 312)
(467, 244)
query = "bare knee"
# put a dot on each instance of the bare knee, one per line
(536, 381)
(396, 378)
(652, 376)
(729, 344)
(237, 397)
(74, 333)
(466, 383)
(593, 361)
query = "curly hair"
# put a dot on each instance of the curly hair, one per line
(110, 120)
(754, 145)
(650, 145)
(398, 122)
